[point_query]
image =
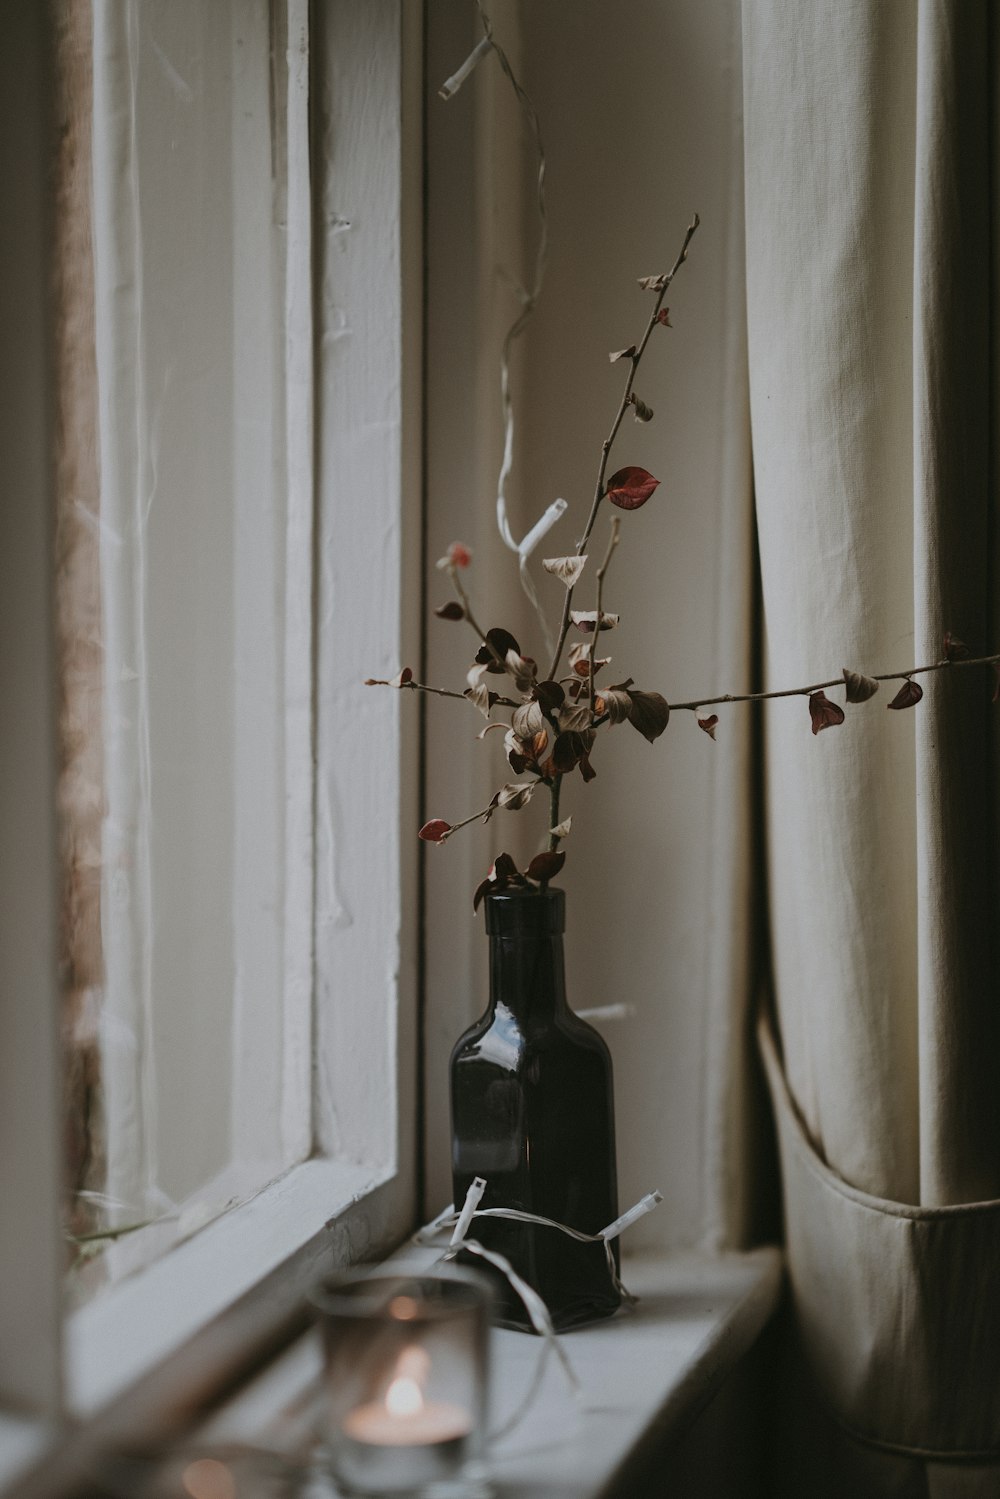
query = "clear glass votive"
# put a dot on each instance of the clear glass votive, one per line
(407, 1370)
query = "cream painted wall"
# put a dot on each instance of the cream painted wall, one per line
(640, 109)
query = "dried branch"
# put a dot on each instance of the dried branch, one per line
(626, 401)
(888, 676)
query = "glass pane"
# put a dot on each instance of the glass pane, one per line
(176, 854)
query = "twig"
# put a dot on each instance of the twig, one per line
(615, 527)
(484, 639)
(887, 676)
(462, 697)
(609, 440)
(492, 807)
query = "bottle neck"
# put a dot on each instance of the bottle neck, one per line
(527, 975)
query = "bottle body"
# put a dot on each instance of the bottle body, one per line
(533, 1114)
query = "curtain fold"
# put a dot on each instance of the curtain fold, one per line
(870, 293)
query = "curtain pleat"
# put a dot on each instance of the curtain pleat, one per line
(867, 134)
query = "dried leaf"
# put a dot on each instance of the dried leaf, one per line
(575, 720)
(643, 413)
(586, 769)
(586, 620)
(615, 703)
(628, 353)
(653, 283)
(513, 797)
(435, 831)
(503, 873)
(663, 317)
(708, 724)
(630, 487)
(522, 669)
(539, 745)
(908, 695)
(562, 829)
(859, 688)
(569, 749)
(527, 720)
(451, 610)
(481, 697)
(579, 659)
(954, 649)
(502, 641)
(457, 555)
(550, 696)
(483, 732)
(547, 865)
(519, 752)
(566, 569)
(824, 714)
(406, 675)
(649, 713)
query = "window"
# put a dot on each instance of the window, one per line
(255, 241)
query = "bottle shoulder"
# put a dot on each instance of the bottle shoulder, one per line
(510, 1041)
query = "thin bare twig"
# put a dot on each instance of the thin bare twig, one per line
(462, 697)
(613, 542)
(609, 440)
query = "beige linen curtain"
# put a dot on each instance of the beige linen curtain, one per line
(869, 133)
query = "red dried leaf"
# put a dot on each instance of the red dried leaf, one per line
(459, 555)
(406, 675)
(505, 871)
(908, 695)
(954, 649)
(547, 865)
(452, 610)
(630, 487)
(824, 714)
(663, 317)
(708, 724)
(434, 831)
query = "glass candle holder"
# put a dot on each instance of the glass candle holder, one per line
(407, 1367)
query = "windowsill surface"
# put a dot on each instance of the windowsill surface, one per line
(113, 1341)
(646, 1375)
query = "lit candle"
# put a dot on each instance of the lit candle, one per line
(404, 1417)
(406, 1370)
(402, 1441)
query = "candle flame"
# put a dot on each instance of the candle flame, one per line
(403, 1397)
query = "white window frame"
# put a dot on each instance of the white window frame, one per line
(223, 1294)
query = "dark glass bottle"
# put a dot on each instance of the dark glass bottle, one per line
(532, 1112)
